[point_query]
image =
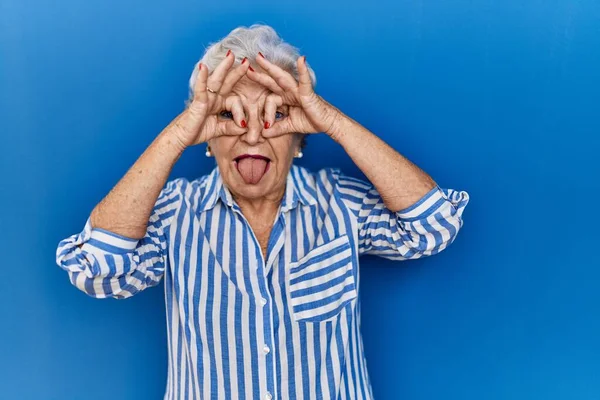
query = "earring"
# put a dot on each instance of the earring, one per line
(208, 153)
(299, 155)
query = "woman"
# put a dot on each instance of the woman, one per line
(260, 257)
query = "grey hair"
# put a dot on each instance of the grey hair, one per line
(247, 42)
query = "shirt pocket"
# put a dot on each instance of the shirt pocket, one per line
(322, 282)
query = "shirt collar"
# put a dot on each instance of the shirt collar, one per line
(300, 188)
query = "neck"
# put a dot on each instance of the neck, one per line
(262, 208)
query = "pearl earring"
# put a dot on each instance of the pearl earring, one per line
(208, 153)
(299, 155)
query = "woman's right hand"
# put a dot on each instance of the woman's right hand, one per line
(202, 120)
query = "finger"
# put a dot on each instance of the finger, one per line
(271, 103)
(306, 86)
(265, 80)
(282, 77)
(281, 128)
(229, 128)
(233, 77)
(234, 104)
(215, 80)
(200, 93)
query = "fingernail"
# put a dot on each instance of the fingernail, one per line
(261, 54)
(199, 66)
(267, 124)
(304, 59)
(244, 60)
(228, 53)
(251, 69)
(243, 123)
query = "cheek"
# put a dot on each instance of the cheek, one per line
(221, 148)
(284, 147)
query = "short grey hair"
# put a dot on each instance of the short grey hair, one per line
(247, 42)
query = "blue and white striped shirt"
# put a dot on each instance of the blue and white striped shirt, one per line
(240, 326)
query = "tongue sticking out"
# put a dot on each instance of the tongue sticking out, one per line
(252, 169)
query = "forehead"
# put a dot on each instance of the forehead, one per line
(249, 90)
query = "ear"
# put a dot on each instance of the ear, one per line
(301, 140)
(209, 148)
(298, 145)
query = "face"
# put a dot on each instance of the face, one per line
(254, 167)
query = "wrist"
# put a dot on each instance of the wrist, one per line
(333, 119)
(184, 131)
(171, 143)
(337, 127)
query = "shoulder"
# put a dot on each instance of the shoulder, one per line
(314, 181)
(186, 187)
(328, 180)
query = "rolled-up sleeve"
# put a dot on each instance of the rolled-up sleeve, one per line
(105, 264)
(425, 228)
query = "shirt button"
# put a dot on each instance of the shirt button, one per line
(263, 301)
(268, 396)
(266, 349)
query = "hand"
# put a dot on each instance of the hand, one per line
(306, 111)
(202, 120)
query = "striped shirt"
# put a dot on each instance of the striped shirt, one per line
(244, 327)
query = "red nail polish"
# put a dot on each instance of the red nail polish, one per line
(243, 123)
(261, 54)
(244, 60)
(251, 69)
(200, 66)
(228, 53)
(267, 124)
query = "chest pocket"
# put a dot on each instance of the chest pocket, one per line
(322, 282)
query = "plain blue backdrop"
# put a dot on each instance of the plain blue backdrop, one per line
(496, 97)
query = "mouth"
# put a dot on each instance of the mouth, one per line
(252, 167)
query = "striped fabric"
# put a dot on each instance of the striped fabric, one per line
(244, 327)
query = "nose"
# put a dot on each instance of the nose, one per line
(253, 134)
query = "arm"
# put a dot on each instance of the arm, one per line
(105, 264)
(422, 229)
(123, 246)
(127, 207)
(125, 210)
(399, 182)
(402, 213)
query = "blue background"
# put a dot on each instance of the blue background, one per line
(496, 97)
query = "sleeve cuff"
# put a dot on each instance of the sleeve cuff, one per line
(109, 242)
(425, 206)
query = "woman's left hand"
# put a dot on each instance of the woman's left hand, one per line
(303, 111)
